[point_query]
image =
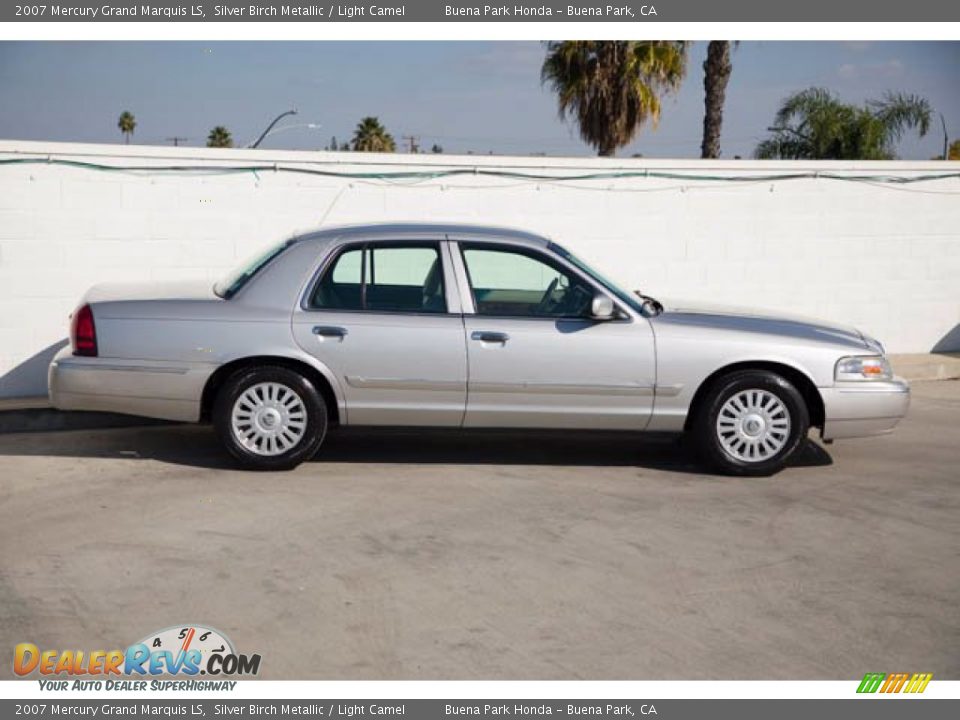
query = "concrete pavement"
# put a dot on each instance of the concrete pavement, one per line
(494, 555)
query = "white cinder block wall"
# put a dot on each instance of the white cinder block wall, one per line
(885, 258)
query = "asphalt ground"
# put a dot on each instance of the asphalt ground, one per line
(410, 555)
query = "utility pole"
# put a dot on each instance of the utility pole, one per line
(413, 143)
(946, 139)
(176, 140)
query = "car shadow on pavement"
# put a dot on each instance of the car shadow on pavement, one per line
(197, 446)
(528, 447)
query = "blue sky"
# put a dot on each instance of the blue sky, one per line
(465, 96)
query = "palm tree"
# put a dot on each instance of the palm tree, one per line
(220, 137)
(612, 88)
(127, 124)
(716, 73)
(813, 124)
(371, 136)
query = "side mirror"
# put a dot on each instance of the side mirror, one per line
(601, 308)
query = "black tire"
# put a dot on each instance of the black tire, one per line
(707, 436)
(315, 412)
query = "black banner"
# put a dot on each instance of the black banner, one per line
(626, 11)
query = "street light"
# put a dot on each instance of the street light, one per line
(277, 131)
(278, 118)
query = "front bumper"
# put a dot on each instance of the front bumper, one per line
(862, 409)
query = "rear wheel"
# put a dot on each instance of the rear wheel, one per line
(270, 418)
(750, 423)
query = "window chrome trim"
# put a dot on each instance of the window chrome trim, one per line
(625, 316)
(338, 250)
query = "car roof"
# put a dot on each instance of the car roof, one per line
(418, 231)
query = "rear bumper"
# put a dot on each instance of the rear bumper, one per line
(134, 387)
(864, 409)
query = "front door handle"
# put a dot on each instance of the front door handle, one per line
(490, 337)
(329, 331)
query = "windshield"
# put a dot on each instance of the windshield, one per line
(230, 284)
(628, 299)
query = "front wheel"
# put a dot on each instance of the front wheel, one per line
(270, 418)
(750, 423)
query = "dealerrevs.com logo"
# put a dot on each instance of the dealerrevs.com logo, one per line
(187, 650)
(894, 682)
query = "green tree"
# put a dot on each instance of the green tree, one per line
(716, 74)
(611, 88)
(436, 149)
(220, 137)
(954, 152)
(127, 124)
(371, 136)
(814, 125)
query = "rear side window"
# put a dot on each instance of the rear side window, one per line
(383, 278)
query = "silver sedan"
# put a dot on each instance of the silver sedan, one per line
(467, 327)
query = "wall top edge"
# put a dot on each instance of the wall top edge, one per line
(128, 154)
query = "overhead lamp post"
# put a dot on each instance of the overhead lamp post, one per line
(278, 118)
(277, 131)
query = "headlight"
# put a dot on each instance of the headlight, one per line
(863, 367)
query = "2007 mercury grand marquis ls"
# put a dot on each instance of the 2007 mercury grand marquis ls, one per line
(463, 326)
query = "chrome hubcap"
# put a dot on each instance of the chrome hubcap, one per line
(268, 418)
(753, 425)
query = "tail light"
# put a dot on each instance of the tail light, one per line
(83, 333)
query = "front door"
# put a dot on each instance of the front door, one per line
(379, 319)
(535, 357)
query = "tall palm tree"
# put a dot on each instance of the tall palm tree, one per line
(371, 136)
(127, 124)
(813, 124)
(716, 73)
(220, 137)
(611, 88)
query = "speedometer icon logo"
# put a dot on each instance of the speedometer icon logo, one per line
(180, 639)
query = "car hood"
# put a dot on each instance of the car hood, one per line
(179, 290)
(678, 312)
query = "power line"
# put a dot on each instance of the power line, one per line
(743, 178)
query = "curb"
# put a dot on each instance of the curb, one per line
(933, 366)
(37, 417)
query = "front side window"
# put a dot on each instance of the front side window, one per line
(383, 278)
(516, 283)
(628, 299)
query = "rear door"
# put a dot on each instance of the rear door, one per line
(536, 358)
(385, 318)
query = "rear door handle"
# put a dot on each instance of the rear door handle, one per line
(328, 331)
(490, 337)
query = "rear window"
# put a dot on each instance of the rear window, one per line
(230, 284)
